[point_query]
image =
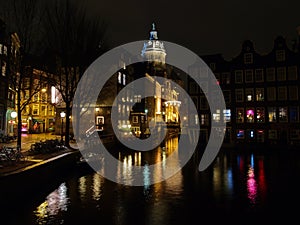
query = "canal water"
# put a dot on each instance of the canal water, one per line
(240, 187)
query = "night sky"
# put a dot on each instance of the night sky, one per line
(205, 27)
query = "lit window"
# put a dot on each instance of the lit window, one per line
(249, 94)
(240, 115)
(216, 116)
(272, 114)
(250, 115)
(240, 134)
(124, 79)
(283, 114)
(260, 94)
(260, 114)
(227, 115)
(119, 78)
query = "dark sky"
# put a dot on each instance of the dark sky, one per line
(205, 27)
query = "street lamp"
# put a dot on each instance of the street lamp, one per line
(62, 115)
(13, 115)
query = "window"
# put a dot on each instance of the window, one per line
(259, 94)
(248, 76)
(272, 114)
(124, 79)
(227, 115)
(195, 101)
(260, 114)
(250, 115)
(119, 77)
(270, 74)
(216, 116)
(240, 134)
(225, 78)
(293, 93)
(282, 93)
(249, 94)
(3, 68)
(281, 73)
(227, 96)
(135, 119)
(35, 110)
(203, 103)
(239, 95)
(193, 88)
(295, 134)
(248, 58)
(294, 114)
(217, 75)
(36, 97)
(283, 114)
(271, 92)
(238, 76)
(204, 119)
(280, 55)
(259, 75)
(292, 73)
(137, 98)
(272, 134)
(212, 66)
(240, 115)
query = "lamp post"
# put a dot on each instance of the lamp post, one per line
(13, 115)
(62, 115)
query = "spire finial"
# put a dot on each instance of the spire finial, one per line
(153, 26)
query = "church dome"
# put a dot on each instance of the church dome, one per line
(153, 49)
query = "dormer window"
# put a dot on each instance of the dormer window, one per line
(248, 58)
(280, 55)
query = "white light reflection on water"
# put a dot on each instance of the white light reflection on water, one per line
(56, 202)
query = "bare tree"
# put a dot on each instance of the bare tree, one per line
(76, 41)
(23, 18)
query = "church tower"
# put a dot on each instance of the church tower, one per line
(154, 49)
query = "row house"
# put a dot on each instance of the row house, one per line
(261, 94)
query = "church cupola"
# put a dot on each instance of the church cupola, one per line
(154, 49)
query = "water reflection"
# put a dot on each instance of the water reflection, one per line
(235, 182)
(56, 203)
